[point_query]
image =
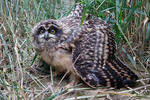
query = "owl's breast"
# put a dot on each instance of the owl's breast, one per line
(59, 59)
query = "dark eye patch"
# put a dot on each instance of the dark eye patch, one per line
(41, 29)
(53, 28)
(58, 32)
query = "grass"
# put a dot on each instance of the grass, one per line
(130, 20)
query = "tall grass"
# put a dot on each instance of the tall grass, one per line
(130, 22)
(17, 18)
(129, 19)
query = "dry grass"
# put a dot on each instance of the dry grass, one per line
(130, 20)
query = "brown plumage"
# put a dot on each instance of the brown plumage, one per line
(87, 50)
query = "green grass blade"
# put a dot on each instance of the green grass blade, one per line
(129, 57)
(128, 19)
(55, 95)
(148, 32)
(34, 58)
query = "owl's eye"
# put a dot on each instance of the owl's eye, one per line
(52, 31)
(41, 31)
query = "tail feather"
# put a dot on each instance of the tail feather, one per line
(121, 74)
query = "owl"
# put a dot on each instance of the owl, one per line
(86, 51)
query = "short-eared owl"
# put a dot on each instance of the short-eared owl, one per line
(88, 50)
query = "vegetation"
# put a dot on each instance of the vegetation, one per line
(130, 20)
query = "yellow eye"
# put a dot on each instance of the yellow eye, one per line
(52, 31)
(41, 31)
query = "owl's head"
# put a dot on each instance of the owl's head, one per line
(46, 33)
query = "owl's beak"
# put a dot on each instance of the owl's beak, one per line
(46, 35)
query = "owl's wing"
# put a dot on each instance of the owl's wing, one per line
(94, 59)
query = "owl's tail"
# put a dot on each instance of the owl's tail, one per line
(113, 74)
(118, 74)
